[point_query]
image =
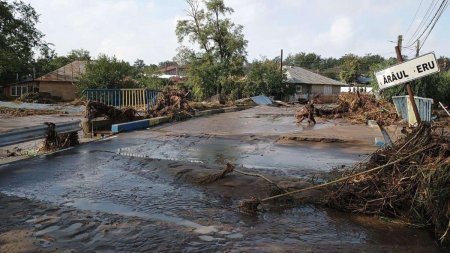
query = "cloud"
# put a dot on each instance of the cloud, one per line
(145, 29)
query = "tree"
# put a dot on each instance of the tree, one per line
(19, 39)
(265, 77)
(78, 55)
(310, 61)
(48, 60)
(107, 72)
(222, 47)
(350, 68)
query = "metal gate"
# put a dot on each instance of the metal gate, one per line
(139, 99)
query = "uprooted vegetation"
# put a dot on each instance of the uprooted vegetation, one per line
(96, 109)
(359, 108)
(19, 112)
(38, 97)
(172, 103)
(409, 181)
(54, 141)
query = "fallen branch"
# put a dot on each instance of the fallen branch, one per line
(252, 201)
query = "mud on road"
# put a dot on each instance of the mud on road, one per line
(136, 193)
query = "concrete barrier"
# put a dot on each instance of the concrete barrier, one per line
(146, 123)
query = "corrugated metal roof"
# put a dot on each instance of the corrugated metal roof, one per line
(70, 72)
(262, 100)
(304, 76)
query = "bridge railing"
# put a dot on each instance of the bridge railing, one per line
(139, 99)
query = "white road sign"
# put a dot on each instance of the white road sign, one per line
(407, 71)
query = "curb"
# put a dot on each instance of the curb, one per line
(146, 123)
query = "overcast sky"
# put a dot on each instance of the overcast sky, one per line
(145, 29)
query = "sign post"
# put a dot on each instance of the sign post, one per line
(407, 71)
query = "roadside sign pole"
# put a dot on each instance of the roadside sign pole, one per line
(408, 87)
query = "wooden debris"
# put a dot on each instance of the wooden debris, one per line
(359, 108)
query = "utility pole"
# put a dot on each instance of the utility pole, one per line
(408, 87)
(417, 48)
(281, 61)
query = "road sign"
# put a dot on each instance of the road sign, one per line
(407, 71)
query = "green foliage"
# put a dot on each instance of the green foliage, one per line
(19, 38)
(350, 68)
(148, 78)
(264, 77)
(48, 60)
(78, 55)
(311, 61)
(108, 72)
(221, 43)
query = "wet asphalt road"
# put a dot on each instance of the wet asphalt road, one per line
(119, 177)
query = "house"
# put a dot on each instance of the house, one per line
(58, 83)
(173, 73)
(309, 84)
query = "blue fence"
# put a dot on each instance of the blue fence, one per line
(139, 99)
(404, 108)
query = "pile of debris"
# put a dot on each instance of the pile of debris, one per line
(201, 106)
(38, 97)
(408, 181)
(20, 112)
(54, 141)
(96, 109)
(360, 108)
(173, 103)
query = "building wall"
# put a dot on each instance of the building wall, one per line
(336, 89)
(65, 90)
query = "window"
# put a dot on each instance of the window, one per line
(14, 91)
(19, 90)
(298, 89)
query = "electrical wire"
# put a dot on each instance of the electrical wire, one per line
(431, 29)
(434, 19)
(414, 18)
(423, 21)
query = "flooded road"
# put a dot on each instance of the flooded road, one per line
(119, 195)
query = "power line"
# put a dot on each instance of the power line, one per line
(431, 29)
(434, 19)
(414, 18)
(424, 20)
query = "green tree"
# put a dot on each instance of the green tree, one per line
(19, 39)
(350, 68)
(222, 47)
(78, 55)
(310, 61)
(48, 60)
(265, 77)
(108, 72)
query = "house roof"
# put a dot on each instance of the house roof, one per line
(297, 75)
(170, 68)
(69, 73)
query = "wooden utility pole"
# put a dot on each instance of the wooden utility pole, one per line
(281, 61)
(417, 48)
(398, 51)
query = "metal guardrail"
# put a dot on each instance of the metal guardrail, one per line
(139, 99)
(36, 132)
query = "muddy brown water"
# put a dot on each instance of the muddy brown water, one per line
(114, 195)
(99, 181)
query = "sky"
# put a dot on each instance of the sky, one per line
(145, 29)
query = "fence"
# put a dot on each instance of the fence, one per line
(404, 108)
(139, 99)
